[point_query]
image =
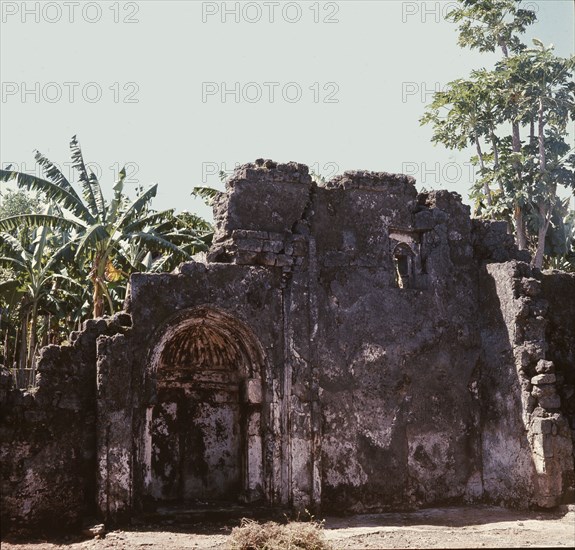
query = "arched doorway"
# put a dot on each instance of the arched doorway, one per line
(204, 428)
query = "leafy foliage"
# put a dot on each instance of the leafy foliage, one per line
(48, 256)
(208, 194)
(529, 90)
(487, 25)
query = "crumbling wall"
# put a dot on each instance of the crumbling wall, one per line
(263, 220)
(527, 447)
(396, 363)
(253, 296)
(48, 436)
(559, 291)
(256, 220)
(348, 346)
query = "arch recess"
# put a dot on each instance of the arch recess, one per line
(203, 436)
(205, 335)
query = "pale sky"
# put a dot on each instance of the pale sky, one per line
(178, 90)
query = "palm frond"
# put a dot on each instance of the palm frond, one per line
(159, 243)
(116, 203)
(195, 222)
(52, 191)
(53, 173)
(183, 237)
(68, 280)
(208, 194)
(40, 246)
(137, 206)
(151, 220)
(12, 242)
(98, 195)
(79, 165)
(92, 235)
(38, 220)
(59, 254)
(8, 261)
(159, 263)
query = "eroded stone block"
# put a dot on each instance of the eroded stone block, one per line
(253, 391)
(545, 367)
(543, 379)
(552, 402)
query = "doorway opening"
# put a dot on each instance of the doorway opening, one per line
(203, 430)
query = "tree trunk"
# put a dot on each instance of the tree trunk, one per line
(23, 352)
(542, 158)
(520, 228)
(486, 189)
(544, 220)
(532, 131)
(519, 220)
(97, 280)
(13, 365)
(31, 361)
(7, 351)
(516, 137)
(496, 158)
(544, 206)
(98, 298)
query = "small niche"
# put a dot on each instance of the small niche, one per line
(403, 258)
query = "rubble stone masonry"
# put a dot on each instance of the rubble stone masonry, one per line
(346, 347)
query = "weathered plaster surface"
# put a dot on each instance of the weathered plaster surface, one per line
(351, 347)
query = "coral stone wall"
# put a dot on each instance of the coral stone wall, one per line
(349, 346)
(48, 436)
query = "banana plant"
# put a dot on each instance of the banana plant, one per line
(99, 230)
(33, 271)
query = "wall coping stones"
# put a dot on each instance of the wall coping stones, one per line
(268, 171)
(373, 181)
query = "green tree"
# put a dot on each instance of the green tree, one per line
(560, 243)
(16, 201)
(548, 103)
(529, 89)
(488, 25)
(463, 114)
(32, 284)
(12, 291)
(98, 231)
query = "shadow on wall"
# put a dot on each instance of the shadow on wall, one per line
(526, 440)
(399, 370)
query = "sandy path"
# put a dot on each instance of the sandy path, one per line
(468, 527)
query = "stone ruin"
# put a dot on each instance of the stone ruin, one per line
(345, 347)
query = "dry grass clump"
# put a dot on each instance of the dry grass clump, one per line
(295, 535)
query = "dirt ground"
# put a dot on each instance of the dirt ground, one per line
(468, 527)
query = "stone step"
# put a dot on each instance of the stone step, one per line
(200, 513)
